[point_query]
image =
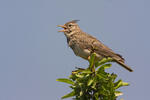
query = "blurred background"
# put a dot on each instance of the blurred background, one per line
(33, 54)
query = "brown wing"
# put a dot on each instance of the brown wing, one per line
(92, 43)
(89, 42)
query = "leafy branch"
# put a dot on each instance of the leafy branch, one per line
(94, 83)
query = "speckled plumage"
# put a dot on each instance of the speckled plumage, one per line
(83, 44)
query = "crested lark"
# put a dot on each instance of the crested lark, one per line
(83, 44)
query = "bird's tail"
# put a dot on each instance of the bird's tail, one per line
(124, 65)
(120, 60)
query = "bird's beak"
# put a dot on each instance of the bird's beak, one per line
(62, 26)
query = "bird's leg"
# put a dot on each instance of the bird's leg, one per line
(89, 57)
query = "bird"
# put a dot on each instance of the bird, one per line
(83, 44)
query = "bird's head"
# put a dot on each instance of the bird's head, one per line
(70, 27)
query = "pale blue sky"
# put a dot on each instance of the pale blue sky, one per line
(33, 54)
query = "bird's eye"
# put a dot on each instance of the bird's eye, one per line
(70, 25)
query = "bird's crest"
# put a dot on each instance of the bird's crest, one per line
(73, 21)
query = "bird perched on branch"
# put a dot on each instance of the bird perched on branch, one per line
(83, 44)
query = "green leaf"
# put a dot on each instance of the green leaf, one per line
(125, 84)
(99, 76)
(118, 93)
(92, 57)
(81, 93)
(87, 71)
(104, 91)
(103, 61)
(71, 94)
(79, 75)
(90, 82)
(94, 85)
(77, 71)
(65, 81)
(96, 96)
(113, 77)
(120, 83)
(103, 67)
